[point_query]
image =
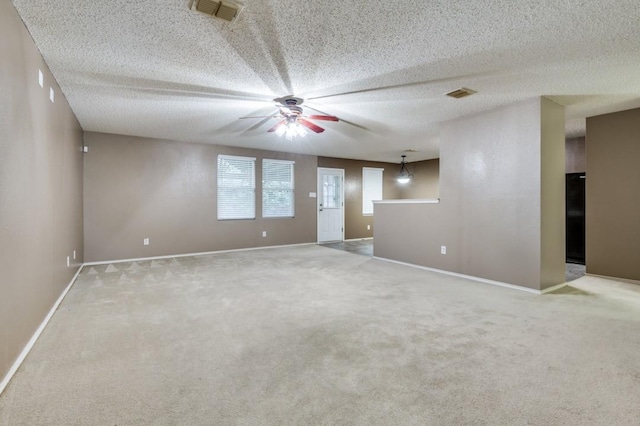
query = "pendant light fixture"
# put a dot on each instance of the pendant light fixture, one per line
(404, 176)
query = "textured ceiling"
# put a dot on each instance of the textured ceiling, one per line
(158, 69)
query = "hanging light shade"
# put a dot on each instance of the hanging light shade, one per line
(291, 129)
(404, 176)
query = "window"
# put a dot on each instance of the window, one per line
(331, 191)
(236, 187)
(371, 188)
(277, 188)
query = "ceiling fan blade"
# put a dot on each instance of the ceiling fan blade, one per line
(324, 117)
(342, 120)
(310, 125)
(261, 116)
(277, 126)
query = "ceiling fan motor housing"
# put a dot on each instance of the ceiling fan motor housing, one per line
(292, 101)
(294, 109)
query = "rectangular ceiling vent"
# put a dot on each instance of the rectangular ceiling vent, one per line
(226, 10)
(462, 92)
(209, 7)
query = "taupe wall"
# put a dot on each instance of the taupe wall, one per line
(575, 157)
(40, 189)
(552, 194)
(613, 197)
(138, 188)
(355, 223)
(425, 183)
(492, 206)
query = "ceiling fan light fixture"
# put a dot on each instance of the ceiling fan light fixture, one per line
(281, 130)
(291, 130)
(404, 176)
(292, 121)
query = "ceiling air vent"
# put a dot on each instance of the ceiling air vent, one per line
(226, 10)
(209, 7)
(462, 92)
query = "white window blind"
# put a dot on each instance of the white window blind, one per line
(371, 188)
(236, 187)
(277, 188)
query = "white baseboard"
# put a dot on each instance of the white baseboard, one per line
(472, 278)
(36, 335)
(359, 239)
(202, 253)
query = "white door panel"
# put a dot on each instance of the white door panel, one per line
(330, 205)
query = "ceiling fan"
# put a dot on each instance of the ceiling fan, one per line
(292, 119)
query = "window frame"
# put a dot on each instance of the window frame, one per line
(369, 193)
(265, 190)
(222, 189)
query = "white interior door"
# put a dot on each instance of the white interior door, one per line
(330, 205)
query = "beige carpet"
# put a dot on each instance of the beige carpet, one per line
(315, 336)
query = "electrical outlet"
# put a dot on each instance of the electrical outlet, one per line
(68, 263)
(443, 249)
(264, 233)
(74, 255)
(368, 227)
(145, 241)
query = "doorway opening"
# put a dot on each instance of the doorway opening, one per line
(575, 225)
(575, 218)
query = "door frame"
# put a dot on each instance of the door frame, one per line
(318, 198)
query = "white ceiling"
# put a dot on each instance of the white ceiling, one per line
(158, 69)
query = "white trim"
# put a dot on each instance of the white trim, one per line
(359, 239)
(236, 157)
(472, 278)
(408, 201)
(202, 253)
(36, 335)
(279, 161)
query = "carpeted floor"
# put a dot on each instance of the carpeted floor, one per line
(313, 336)
(363, 247)
(573, 271)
